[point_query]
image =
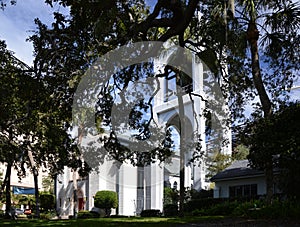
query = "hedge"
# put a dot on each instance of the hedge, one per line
(151, 213)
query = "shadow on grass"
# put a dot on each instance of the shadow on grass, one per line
(111, 222)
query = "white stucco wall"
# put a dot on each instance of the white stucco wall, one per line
(127, 190)
(127, 178)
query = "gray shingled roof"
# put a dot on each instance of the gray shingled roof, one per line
(237, 169)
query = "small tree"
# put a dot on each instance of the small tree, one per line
(106, 200)
(240, 152)
(48, 184)
(217, 162)
(171, 196)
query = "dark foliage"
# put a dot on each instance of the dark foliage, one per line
(151, 213)
(47, 201)
(170, 210)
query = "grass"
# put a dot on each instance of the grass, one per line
(133, 221)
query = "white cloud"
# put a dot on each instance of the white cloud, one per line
(17, 24)
(295, 93)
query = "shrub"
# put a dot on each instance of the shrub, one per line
(198, 204)
(198, 212)
(243, 209)
(82, 214)
(95, 214)
(47, 201)
(225, 208)
(106, 200)
(278, 209)
(151, 213)
(251, 209)
(119, 216)
(47, 215)
(170, 210)
(202, 194)
(171, 196)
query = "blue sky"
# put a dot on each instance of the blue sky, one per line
(17, 23)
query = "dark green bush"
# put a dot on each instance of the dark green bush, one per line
(281, 209)
(47, 201)
(252, 209)
(2, 213)
(119, 216)
(47, 215)
(171, 196)
(106, 200)
(202, 194)
(243, 209)
(151, 213)
(198, 212)
(225, 208)
(95, 214)
(170, 210)
(85, 214)
(198, 204)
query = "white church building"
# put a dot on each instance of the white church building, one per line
(141, 188)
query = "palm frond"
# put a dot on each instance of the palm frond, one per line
(286, 19)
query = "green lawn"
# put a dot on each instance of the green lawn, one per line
(134, 221)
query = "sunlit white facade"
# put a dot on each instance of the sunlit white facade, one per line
(141, 188)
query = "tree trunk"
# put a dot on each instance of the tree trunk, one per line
(252, 37)
(36, 193)
(182, 144)
(269, 181)
(75, 208)
(36, 186)
(231, 7)
(7, 189)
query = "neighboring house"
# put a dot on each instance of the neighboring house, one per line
(240, 180)
(25, 185)
(141, 188)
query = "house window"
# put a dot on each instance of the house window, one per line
(175, 185)
(248, 190)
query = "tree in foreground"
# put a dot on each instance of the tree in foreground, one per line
(64, 51)
(106, 200)
(18, 112)
(277, 138)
